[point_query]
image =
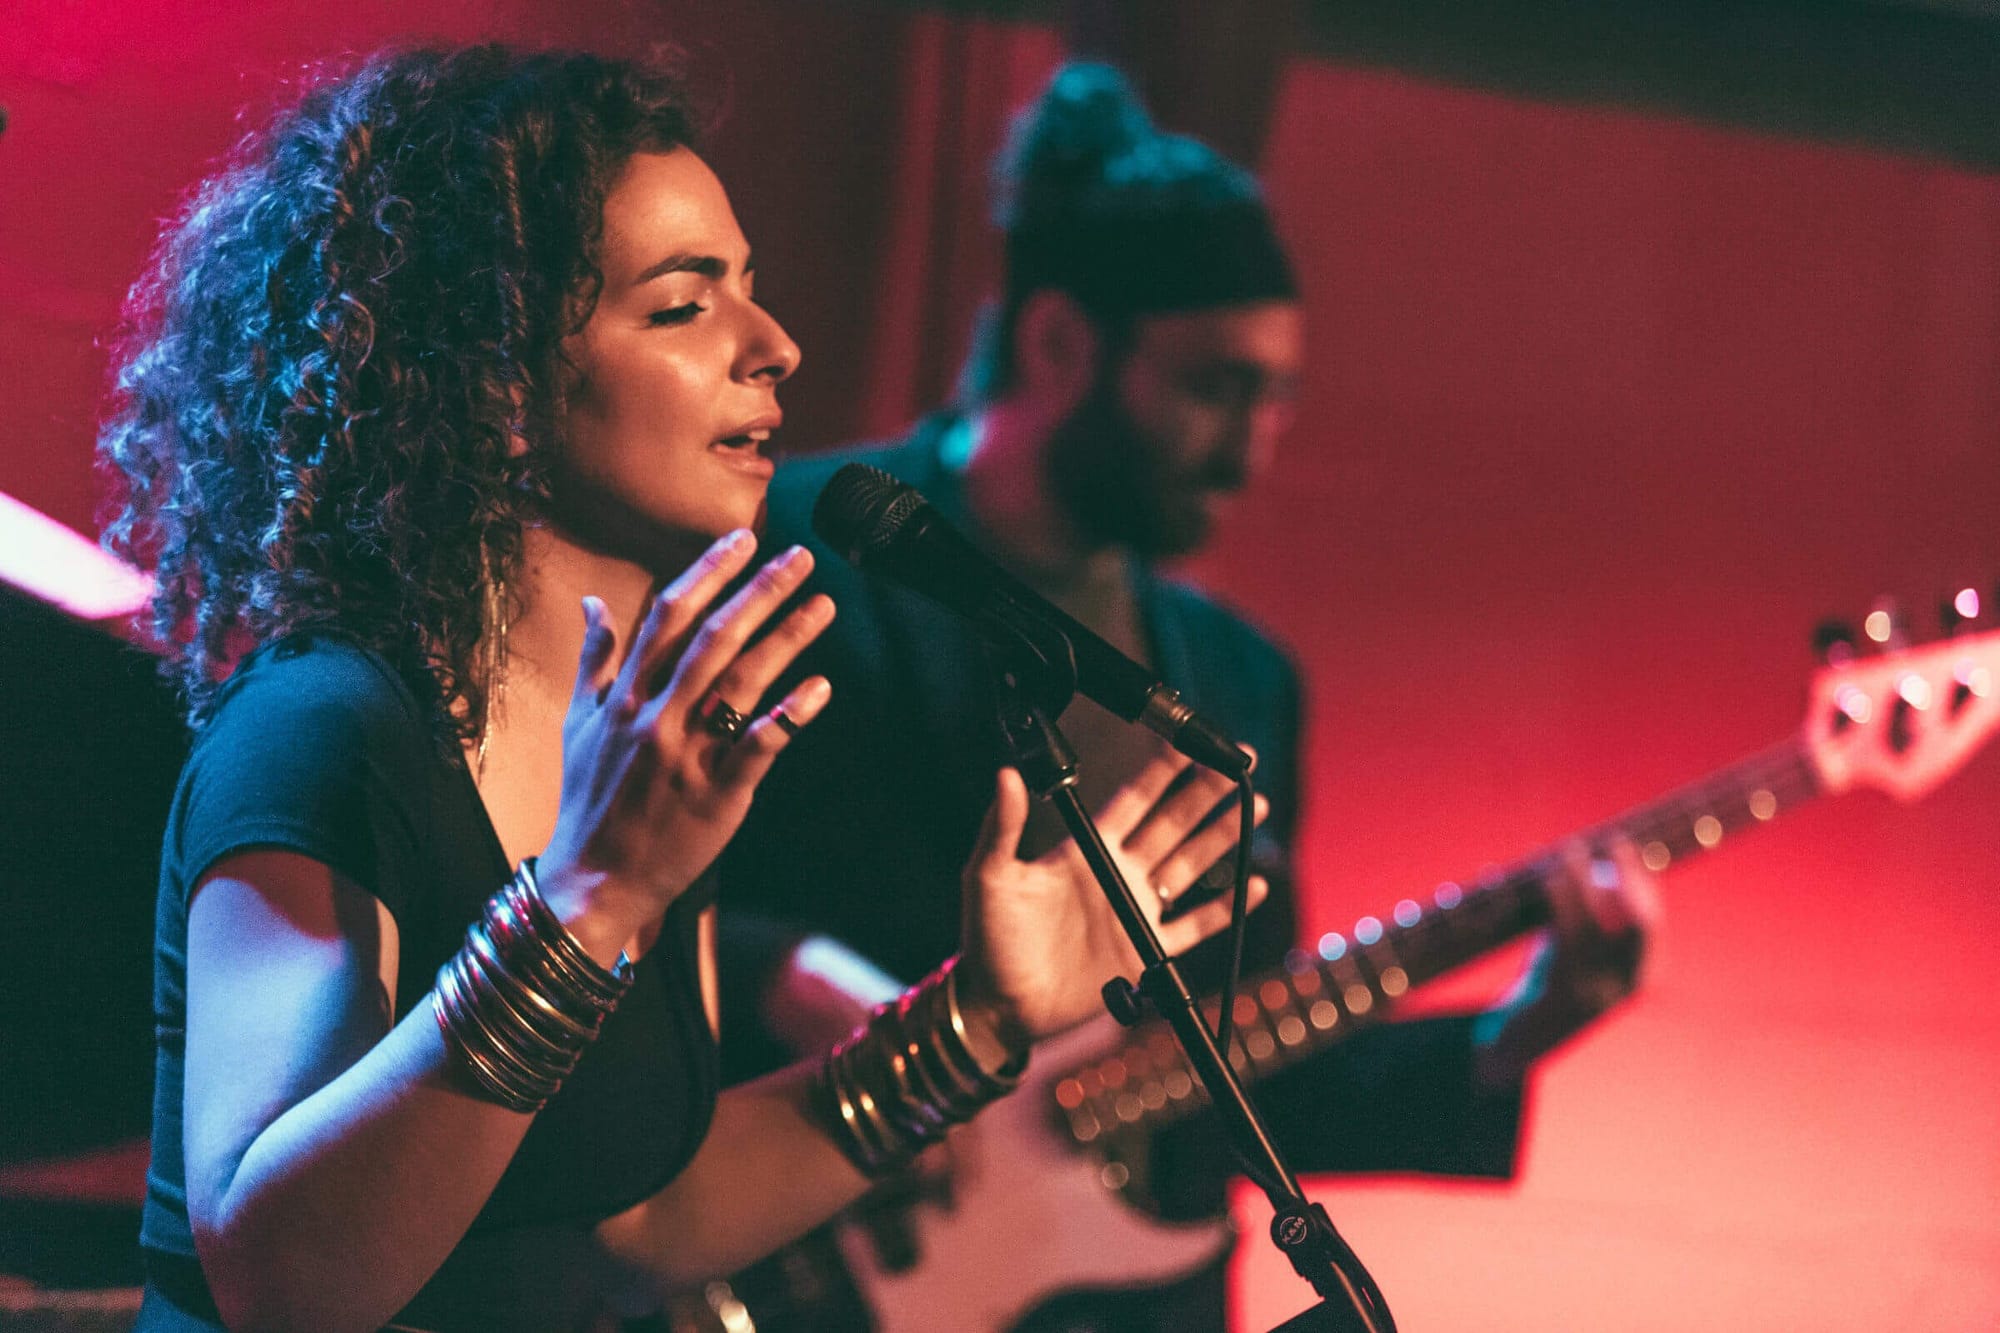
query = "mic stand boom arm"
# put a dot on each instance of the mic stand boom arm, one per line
(1035, 673)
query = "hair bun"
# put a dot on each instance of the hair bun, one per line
(1088, 116)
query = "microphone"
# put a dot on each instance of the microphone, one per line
(886, 528)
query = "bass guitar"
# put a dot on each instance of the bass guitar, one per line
(1049, 1191)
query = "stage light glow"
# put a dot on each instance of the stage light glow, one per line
(50, 561)
(1966, 603)
(1763, 805)
(1708, 830)
(1878, 626)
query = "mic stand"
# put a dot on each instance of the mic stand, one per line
(1035, 671)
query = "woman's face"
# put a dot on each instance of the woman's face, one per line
(664, 435)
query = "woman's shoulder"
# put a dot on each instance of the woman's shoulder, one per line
(317, 678)
(316, 709)
(316, 743)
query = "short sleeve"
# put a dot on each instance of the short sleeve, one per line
(317, 748)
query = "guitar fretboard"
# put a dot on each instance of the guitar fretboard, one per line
(1318, 997)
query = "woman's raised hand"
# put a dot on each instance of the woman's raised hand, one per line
(1040, 938)
(663, 748)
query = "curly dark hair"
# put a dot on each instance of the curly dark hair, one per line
(328, 372)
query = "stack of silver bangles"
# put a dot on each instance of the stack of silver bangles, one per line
(521, 1001)
(905, 1077)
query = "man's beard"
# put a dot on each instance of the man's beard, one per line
(1117, 485)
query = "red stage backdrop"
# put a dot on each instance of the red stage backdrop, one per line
(1604, 411)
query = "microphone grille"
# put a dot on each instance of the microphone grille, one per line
(861, 510)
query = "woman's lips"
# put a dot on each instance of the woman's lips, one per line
(745, 452)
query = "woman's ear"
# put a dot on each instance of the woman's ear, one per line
(1056, 351)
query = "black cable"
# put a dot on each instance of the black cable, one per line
(1239, 912)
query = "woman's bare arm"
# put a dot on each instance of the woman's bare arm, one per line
(332, 1161)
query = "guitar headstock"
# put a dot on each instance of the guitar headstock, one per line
(1905, 718)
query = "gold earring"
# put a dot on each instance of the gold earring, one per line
(494, 615)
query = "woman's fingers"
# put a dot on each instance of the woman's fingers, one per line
(747, 761)
(1182, 811)
(723, 636)
(745, 680)
(1187, 931)
(676, 610)
(1172, 876)
(999, 840)
(596, 665)
(1129, 804)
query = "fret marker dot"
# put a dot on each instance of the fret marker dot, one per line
(1763, 805)
(1655, 856)
(1324, 1014)
(1394, 981)
(1367, 930)
(1333, 946)
(1708, 830)
(1408, 913)
(1359, 1001)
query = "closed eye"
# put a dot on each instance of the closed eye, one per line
(679, 314)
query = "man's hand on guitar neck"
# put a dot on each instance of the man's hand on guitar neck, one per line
(1604, 908)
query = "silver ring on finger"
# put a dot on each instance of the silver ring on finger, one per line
(719, 719)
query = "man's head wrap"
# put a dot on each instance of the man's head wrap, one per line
(1097, 202)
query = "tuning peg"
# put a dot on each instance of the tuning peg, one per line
(1833, 642)
(1961, 607)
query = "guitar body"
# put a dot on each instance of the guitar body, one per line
(1030, 1218)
